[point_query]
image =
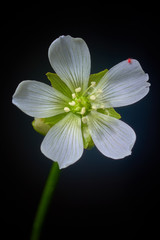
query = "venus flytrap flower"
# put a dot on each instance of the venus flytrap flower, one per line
(77, 112)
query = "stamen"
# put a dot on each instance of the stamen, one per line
(96, 93)
(94, 107)
(102, 106)
(83, 110)
(93, 84)
(77, 90)
(99, 91)
(72, 103)
(84, 120)
(73, 95)
(93, 97)
(67, 109)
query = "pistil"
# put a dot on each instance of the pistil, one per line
(83, 103)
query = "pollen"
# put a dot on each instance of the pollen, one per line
(67, 109)
(93, 84)
(93, 97)
(99, 91)
(72, 103)
(77, 90)
(83, 110)
(73, 95)
(84, 120)
(102, 106)
(94, 107)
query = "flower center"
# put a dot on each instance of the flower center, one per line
(83, 103)
(80, 105)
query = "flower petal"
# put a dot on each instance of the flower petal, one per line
(111, 136)
(124, 84)
(70, 58)
(38, 99)
(63, 143)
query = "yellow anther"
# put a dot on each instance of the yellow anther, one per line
(73, 95)
(93, 97)
(83, 110)
(84, 120)
(102, 106)
(72, 103)
(77, 90)
(93, 84)
(67, 109)
(99, 91)
(94, 107)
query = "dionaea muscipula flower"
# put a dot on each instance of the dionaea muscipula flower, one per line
(77, 110)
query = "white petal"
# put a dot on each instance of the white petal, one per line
(64, 143)
(111, 136)
(70, 58)
(38, 99)
(124, 84)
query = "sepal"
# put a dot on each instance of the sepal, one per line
(96, 77)
(40, 126)
(58, 84)
(87, 140)
(110, 112)
(43, 125)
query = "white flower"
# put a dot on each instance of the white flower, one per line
(82, 104)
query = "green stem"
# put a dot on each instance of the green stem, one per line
(45, 201)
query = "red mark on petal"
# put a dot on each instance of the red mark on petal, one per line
(129, 60)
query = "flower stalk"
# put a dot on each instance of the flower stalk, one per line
(45, 201)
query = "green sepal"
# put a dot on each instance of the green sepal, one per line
(58, 84)
(51, 121)
(110, 112)
(87, 139)
(43, 125)
(96, 77)
(40, 127)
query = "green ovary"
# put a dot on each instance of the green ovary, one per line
(80, 105)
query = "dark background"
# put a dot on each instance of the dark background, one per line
(95, 191)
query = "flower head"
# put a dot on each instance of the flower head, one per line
(77, 112)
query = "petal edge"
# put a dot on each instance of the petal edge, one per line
(38, 99)
(112, 137)
(70, 58)
(63, 143)
(124, 84)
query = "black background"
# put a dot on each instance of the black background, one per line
(95, 191)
